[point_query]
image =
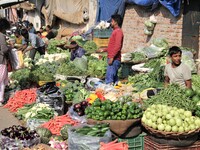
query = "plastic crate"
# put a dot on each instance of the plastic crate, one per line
(102, 33)
(101, 42)
(151, 145)
(136, 143)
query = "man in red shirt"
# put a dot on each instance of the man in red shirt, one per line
(114, 50)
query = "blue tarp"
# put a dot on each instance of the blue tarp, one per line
(109, 7)
(174, 6)
(153, 3)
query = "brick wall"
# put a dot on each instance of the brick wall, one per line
(133, 26)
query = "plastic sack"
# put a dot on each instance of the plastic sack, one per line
(55, 100)
(32, 123)
(152, 51)
(187, 58)
(81, 63)
(149, 25)
(147, 32)
(106, 87)
(7, 143)
(161, 43)
(140, 68)
(80, 142)
(93, 83)
(75, 116)
(16, 59)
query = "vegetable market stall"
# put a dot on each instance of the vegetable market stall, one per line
(99, 111)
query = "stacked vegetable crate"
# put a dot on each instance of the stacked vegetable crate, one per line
(101, 37)
(151, 145)
(135, 143)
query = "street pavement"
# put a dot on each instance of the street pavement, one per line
(7, 119)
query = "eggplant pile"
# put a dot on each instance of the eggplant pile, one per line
(19, 132)
(80, 107)
(20, 135)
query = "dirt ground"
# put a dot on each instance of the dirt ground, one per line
(7, 119)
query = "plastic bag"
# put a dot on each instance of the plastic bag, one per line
(152, 51)
(81, 63)
(187, 58)
(55, 100)
(147, 32)
(32, 123)
(140, 68)
(80, 142)
(93, 83)
(16, 144)
(75, 116)
(161, 43)
(106, 88)
(16, 59)
(149, 25)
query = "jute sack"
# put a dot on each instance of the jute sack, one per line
(119, 127)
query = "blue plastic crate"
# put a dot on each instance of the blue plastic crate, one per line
(102, 33)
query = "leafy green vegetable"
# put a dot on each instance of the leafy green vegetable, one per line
(63, 131)
(137, 56)
(52, 46)
(90, 46)
(44, 134)
(23, 77)
(161, 42)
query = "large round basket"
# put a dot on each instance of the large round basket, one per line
(170, 135)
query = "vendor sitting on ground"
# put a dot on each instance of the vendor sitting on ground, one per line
(176, 71)
(76, 50)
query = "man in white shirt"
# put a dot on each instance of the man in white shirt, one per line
(176, 71)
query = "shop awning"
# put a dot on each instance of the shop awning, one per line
(7, 3)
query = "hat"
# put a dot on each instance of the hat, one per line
(72, 45)
(78, 39)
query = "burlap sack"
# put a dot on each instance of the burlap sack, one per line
(119, 127)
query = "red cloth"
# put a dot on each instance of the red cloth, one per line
(115, 44)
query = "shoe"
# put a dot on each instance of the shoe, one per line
(1, 104)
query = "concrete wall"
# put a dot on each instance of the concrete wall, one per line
(34, 18)
(133, 26)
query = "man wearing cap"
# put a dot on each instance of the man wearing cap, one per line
(76, 50)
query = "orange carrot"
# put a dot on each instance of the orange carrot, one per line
(21, 98)
(114, 146)
(55, 124)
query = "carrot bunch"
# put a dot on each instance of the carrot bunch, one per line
(114, 145)
(21, 98)
(55, 124)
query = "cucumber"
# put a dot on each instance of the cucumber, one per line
(93, 133)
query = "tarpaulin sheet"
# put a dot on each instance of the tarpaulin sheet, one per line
(153, 3)
(174, 6)
(7, 3)
(71, 10)
(109, 7)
